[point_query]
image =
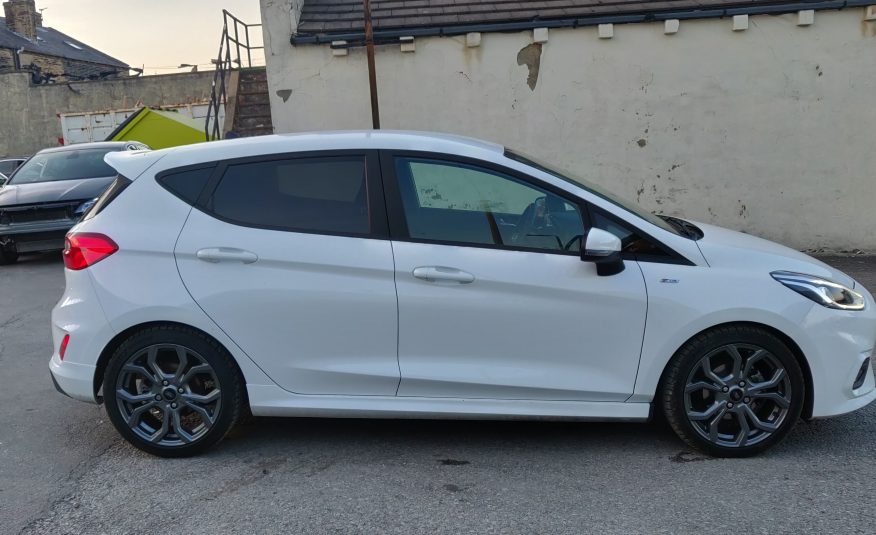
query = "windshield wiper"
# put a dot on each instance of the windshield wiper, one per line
(687, 229)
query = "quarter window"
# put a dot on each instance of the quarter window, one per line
(187, 185)
(459, 203)
(322, 195)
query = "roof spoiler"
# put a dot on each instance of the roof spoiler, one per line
(132, 164)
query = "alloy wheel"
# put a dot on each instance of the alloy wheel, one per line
(737, 395)
(168, 395)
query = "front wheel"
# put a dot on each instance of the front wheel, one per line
(172, 392)
(733, 391)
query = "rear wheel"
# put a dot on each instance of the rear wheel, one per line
(172, 392)
(734, 391)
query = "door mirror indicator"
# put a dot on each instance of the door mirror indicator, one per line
(604, 249)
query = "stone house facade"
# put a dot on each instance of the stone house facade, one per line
(49, 55)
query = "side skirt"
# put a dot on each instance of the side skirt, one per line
(274, 401)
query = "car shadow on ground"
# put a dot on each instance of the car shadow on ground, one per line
(476, 437)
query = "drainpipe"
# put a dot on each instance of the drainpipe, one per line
(372, 74)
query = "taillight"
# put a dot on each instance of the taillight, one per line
(63, 348)
(86, 249)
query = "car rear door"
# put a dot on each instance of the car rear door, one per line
(289, 256)
(494, 300)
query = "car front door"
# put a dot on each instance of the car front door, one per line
(494, 300)
(290, 256)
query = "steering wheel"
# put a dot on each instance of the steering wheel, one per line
(578, 238)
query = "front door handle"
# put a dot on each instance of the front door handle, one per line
(438, 274)
(214, 255)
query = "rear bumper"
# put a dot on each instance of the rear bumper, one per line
(73, 380)
(79, 315)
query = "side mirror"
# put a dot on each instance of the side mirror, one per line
(3, 180)
(604, 249)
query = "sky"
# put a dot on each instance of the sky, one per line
(156, 34)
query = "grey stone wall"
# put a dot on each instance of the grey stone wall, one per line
(29, 114)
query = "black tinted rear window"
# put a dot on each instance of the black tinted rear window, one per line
(188, 184)
(304, 194)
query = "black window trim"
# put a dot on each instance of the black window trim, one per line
(378, 220)
(398, 224)
(110, 194)
(672, 256)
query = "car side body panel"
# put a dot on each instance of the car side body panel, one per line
(142, 284)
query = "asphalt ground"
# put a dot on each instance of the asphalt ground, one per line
(63, 469)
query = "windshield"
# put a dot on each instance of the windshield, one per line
(65, 165)
(593, 188)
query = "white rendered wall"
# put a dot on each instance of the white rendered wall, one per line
(766, 130)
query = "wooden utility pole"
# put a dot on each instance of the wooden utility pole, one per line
(372, 74)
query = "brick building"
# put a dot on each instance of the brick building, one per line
(49, 55)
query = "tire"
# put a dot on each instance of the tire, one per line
(167, 411)
(8, 256)
(749, 402)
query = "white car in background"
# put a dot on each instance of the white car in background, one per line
(392, 274)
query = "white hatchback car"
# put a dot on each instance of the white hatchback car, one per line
(393, 274)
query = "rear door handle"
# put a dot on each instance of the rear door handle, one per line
(214, 255)
(439, 273)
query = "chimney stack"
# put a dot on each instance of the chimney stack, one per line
(23, 18)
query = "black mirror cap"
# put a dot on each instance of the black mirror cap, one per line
(610, 265)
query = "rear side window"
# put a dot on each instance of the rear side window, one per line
(187, 185)
(108, 196)
(321, 195)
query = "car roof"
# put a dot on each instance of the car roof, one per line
(81, 146)
(132, 164)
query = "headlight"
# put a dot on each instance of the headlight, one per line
(824, 292)
(84, 207)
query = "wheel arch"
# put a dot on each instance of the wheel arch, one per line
(120, 338)
(795, 349)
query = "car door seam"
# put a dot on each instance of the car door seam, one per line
(644, 331)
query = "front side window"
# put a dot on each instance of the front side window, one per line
(322, 195)
(460, 203)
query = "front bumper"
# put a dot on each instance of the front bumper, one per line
(36, 236)
(837, 343)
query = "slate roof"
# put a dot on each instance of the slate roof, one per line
(51, 42)
(326, 17)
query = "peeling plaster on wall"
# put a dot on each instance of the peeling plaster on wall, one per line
(531, 57)
(284, 94)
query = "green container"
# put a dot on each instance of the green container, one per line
(159, 129)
